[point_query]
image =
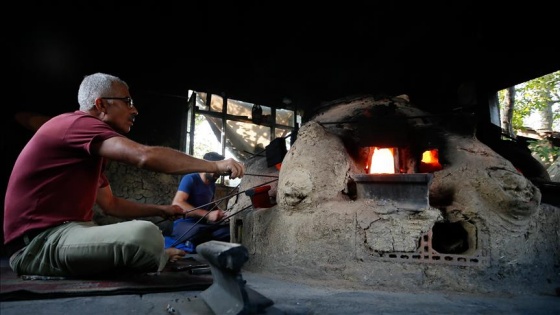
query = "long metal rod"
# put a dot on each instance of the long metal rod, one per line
(180, 239)
(261, 175)
(231, 215)
(229, 196)
(217, 201)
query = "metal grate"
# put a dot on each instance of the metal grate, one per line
(427, 255)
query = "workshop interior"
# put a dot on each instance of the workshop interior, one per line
(312, 99)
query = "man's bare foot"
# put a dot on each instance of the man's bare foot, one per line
(175, 254)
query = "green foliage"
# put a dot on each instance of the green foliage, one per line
(532, 96)
(536, 94)
(544, 151)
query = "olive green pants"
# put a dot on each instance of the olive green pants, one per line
(87, 249)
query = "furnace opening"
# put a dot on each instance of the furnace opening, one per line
(450, 238)
(391, 160)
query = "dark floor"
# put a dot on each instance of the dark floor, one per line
(291, 298)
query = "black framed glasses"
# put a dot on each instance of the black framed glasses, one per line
(128, 100)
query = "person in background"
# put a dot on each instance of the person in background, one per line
(59, 176)
(202, 222)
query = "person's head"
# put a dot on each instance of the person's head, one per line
(212, 156)
(108, 98)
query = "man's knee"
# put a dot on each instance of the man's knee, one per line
(144, 233)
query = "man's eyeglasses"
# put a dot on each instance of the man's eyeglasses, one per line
(128, 100)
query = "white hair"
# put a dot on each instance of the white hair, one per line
(94, 86)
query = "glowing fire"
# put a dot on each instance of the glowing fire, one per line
(430, 161)
(430, 157)
(382, 161)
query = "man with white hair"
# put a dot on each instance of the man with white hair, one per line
(58, 177)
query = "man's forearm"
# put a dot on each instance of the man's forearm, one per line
(171, 161)
(127, 209)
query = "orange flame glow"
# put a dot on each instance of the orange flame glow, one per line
(430, 161)
(382, 161)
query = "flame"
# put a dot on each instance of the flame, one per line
(382, 161)
(430, 161)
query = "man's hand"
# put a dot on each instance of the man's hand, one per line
(215, 215)
(175, 254)
(173, 212)
(231, 167)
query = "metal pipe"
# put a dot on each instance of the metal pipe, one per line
(179, 240)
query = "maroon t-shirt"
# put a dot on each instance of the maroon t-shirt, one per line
(55, 178)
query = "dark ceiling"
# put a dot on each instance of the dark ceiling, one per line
(267, 52)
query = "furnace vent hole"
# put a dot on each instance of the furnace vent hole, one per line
(351, 190)
(450, 238)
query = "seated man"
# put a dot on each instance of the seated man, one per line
(59, 176)
(202, 222)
